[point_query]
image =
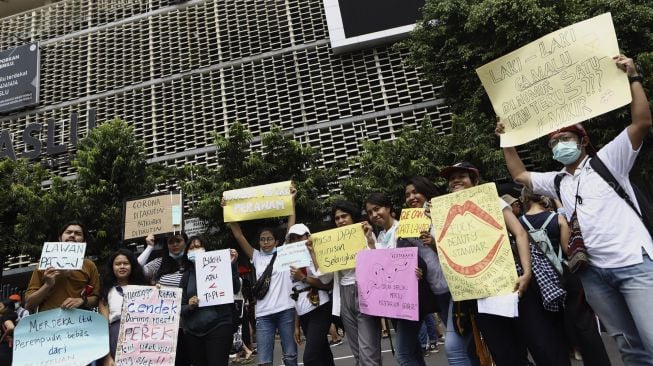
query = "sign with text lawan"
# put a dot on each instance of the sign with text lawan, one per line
(259, 202)
(472, 241)
(336, 249)
(152, 215)
(62, 255)
(561, 79)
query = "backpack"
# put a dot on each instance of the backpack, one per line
(540, 237)
(645, 213)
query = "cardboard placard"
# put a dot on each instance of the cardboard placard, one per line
(213, 272)
(293, 254)
(159, 214)
(412, 222)
(259, 202)
(62, 255)
(336, 249)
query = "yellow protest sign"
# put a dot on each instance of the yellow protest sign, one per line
(159, 214)
(259, 202)
(556, 81)
(412, 222)
(336, 249)
(472, 243)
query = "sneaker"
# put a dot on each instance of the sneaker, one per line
(335, 343)
(440, 340)
(433, 348)
(577, 356)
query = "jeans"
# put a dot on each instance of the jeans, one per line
(266, 327)
(427, 332)
(408, 351)
(457, 346)
(622, 297)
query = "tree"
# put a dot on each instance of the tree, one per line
(455, 37)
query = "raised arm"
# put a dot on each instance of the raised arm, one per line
(639, 109)
(513, 161)
(239, 236)
(292, 219)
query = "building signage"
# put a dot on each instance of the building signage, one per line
(19, 77)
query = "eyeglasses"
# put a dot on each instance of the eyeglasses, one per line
(266, 240)
(561, 138)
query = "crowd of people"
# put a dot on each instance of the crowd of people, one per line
(557, 304)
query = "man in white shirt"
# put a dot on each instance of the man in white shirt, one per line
(619, 280)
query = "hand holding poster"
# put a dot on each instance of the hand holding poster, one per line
(294, 254)
(148, 326)
(412, 222)
(160, 214)
(387, 284)
(62, 255)
(60, 337)
(336, 249)
(259, 202)
(472, 243)
(213, 272)
(556, 81)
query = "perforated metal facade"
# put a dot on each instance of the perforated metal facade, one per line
(180, 72)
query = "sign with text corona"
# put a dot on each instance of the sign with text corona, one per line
(561, 79)
(158, 214)
(472, 241)
(259, 202)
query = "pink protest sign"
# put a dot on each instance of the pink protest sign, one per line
(148, 326)
(387, 284)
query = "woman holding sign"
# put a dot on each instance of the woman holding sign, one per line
(208, 330)
(275, 310)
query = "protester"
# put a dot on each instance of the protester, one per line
(208, 330)
(275, 310)
(21, 312)
(122, 271)
(8, 319)
(619, 278)
(70, 289)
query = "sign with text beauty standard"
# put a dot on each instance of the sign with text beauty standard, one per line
(472, 242)
(561, 79)
(213, 275)
(387, 283)
(259, 202)
(148, 326)
(293, 254)
(70, 337)
(336, 249)
(159, 214)
(62, 255)
(412, 222)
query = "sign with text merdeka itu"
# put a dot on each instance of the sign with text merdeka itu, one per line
(293, 254)
(473, 245)
(148, 326)
(259, 202)
(19, 77)
(70, 337)
(157, 214)
(412, 222)
(62, 255)
(214, 281)
(336, 249)
(560, 79)
(387, 283)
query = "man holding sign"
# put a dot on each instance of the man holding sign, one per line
(618, 281)
(69, 289)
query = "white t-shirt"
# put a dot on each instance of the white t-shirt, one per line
(278, 297)
(114, 300)
(388, 239)
(347, 277)
(613, 233)
(303, 305)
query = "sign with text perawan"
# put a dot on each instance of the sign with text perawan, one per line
(259, 202)
(214, 283)
(62, 255)
(561, 79)
(293, 254)
(70, 337)
(336, 249)
(159, 214)
(412, 222)
(387, 283)
(148, 326)
(472, 242)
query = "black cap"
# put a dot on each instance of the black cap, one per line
(463, 165)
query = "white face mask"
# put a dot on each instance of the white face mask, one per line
(193, 254)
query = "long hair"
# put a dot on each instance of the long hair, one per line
(169, 264)
(424, 186)
(348, 207)
(379, 199)
(136, 277)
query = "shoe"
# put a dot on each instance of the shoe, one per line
(335, 343)
(577, 356)
(440, 340)
(340, 331)
(433, 348)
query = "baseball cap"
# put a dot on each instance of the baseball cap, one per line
(298, 229)
(14, 297)
(463, 165)
(579, 130)
(509, 199)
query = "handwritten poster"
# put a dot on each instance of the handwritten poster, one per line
(412, 222)
(160, 214)
(259, 202)
(62, 255)
(214, 283)
(60, 337)
(336, 249)
(387, 284)
(472, 243)
(148, 326)
(293, 254)
(556, 81)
